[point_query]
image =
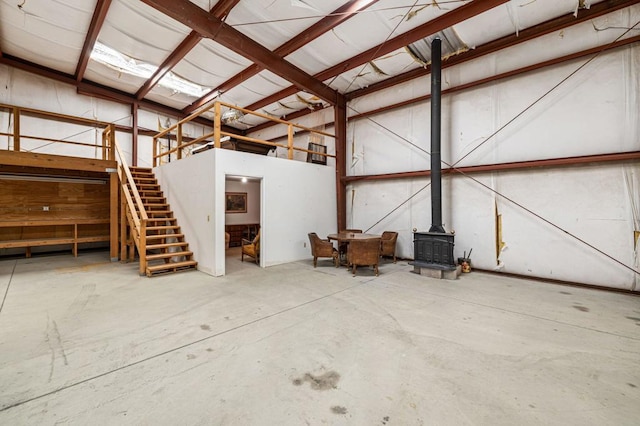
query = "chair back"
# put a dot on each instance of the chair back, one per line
(256, 241)
(364, 252)
(313, 242)
(389, 239)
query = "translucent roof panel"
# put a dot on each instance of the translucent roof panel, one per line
(49, 33)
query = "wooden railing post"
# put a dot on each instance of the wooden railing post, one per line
(16, 129)
(290, 142)
(112, 141)
(155, 152)
(105, 137)
(179, 141)
(123, 220)
(114, 190)
(216, 125)
(142, 248)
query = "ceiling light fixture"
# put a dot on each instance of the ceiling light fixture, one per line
(231, 115)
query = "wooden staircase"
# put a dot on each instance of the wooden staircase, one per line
(162, 248)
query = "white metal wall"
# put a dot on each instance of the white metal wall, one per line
(594, 112)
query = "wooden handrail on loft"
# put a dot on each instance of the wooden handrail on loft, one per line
(218, 133)
(135, 208)
(17, 135)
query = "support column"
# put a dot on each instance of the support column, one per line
(113, 216)
(340, 120)
(16, 129)
(134, 134)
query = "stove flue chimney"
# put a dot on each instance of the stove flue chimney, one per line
(436, 168)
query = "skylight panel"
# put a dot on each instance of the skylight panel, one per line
(122, 63)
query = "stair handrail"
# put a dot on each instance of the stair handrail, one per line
(134, 188)
(139, 215)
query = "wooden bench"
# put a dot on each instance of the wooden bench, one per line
(74, 239)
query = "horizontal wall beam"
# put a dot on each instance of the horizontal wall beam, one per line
(518, 165)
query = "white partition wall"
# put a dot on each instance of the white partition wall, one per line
(296, 198)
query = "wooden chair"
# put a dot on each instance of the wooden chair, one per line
(251, 248)
(342, 248)
(389, 239)
(322, 248)
(364, 253)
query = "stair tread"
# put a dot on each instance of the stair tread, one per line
(173, 265)
(168, 255)
(167, 245)
(161, 236)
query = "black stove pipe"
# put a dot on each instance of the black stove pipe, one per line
(436, 167)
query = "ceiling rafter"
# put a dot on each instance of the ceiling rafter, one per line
(447, 20)
(209, 26)
(335, 18)
(220, 10)
(547, 27)
(473, 84)
(99, 15)
(527, 34)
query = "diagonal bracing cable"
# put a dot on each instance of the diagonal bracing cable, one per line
(452, 166)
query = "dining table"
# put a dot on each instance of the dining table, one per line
(345, 238)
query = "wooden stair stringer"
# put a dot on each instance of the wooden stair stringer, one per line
(166, 251)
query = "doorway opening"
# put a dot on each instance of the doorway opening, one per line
(242, 222)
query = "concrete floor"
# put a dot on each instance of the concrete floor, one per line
(86, 341)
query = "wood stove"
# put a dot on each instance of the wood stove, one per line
(434, 249)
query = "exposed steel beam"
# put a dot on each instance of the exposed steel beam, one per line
(507, 74)
(447, 20)
(209, 26)
(99, 15)
(546, 27)
(496, 77)
(220, 10)
(508, 41)
(517, 165)
(326, 24)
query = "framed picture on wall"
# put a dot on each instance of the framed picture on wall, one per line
(236, 202)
